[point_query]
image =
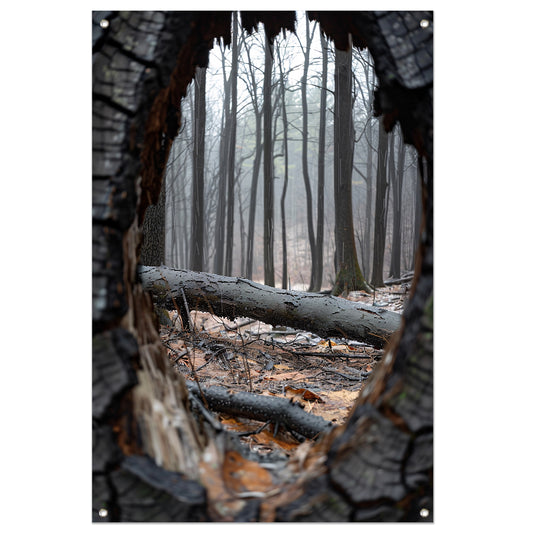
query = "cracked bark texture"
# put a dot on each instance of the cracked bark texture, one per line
(231, 297)
(146, 444)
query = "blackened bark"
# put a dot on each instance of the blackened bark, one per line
(366, 253)
(397, 190)
(376, 467)
(232, 297)
(313, 286)
(268, 172)
(321, 165)
(417, 209)
(228, 264)
(255, 171)
(379, 211)
(153, 231)
(265, 408)
(284, 274)
(348, 273)
(197, 219)
(220, 223)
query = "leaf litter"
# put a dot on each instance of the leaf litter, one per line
(324, 375)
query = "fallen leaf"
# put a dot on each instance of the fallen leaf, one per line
(282, 440)
(221, 502)
(242, 475)
(303, 394)
(327, 343)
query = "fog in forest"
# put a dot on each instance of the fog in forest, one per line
(221, 164)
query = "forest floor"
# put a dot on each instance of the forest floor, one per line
(324, 375)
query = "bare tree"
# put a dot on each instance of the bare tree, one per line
(321, 166)
(268, 174)
(396, 178)
(231, 146)
(252, 86)
(313, 285)
(218, 262)
(418, 208)
(380, 221)
(348, 273)
(197, 208)
(153, 231)
(284, 274)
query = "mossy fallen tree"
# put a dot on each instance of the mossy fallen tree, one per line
(325, 315)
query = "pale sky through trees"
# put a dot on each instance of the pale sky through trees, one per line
(292, 56)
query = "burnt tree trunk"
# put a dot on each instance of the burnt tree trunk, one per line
(152, 460)
(321, 165)
(347, 270)
(197, 210)
(313, 285)
(153, 232)
(380, 219)
(268, 171)
(231, 174)
(328, 316)
(258, 112)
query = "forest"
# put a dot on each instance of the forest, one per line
(260, 156)
(262, 266)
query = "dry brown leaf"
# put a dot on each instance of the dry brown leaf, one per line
(266, 438)
(222, 502)
(242, 475)
(303, 394)
(327, 343)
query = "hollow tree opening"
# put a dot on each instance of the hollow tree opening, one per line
(147, 445)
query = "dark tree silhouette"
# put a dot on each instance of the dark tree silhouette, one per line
(258, 113)
(268, 170)
(396, 174)
(321, 165)
(228, 264)
(313, 285)
(380, 219)
(197, 217)
(348, 273)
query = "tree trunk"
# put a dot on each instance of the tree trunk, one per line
(268, 172)
(397, 190)
(197, 209)
(228, 265)
(313, 286)
(327, 316)
(218, 261)
(418, 209)
(153, 231)
(152, 460)
(284, 274)
(256, 168)
(368, 203)
(321, 165)
(379, 212)
(348, 273)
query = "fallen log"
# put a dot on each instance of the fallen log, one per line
(282, 411)
(231, 297)
(405, 278)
